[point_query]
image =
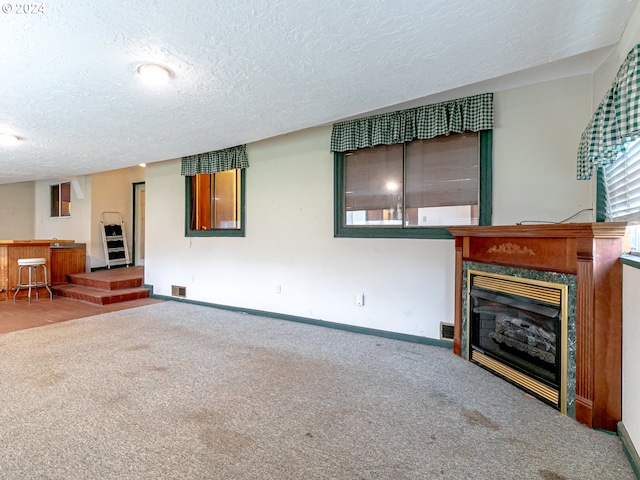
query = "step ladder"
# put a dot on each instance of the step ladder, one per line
(114, 239)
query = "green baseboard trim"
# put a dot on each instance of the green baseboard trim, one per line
(629, 450)
(312, 321)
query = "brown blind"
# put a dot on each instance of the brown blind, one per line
(65, 199)
(442, 171)
(201, 205)
(370, 174)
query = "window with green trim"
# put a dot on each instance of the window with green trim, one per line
(415, 189)
(215, 204)
(618, 196)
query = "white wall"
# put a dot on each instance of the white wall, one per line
(605, 74)
(108, 191)
(536, 136)
(408, 284)
(112, 191)
(631, 353)
(17, 204)
(77, 226)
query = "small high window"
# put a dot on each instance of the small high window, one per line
(61, 199)
(215, 204)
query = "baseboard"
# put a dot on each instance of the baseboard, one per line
(312, 321)
(629, 450)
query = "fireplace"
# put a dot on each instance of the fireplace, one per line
(518, 330)
(585, 379)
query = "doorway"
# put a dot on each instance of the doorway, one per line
(138, 223)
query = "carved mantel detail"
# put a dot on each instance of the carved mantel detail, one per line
(511, 249)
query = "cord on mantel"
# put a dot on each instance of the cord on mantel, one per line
(561, 221)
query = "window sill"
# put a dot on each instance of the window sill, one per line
(214, 233)
(630, 260)
(364, 232)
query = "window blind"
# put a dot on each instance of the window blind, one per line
(622, 185)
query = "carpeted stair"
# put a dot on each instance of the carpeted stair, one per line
(104, 287)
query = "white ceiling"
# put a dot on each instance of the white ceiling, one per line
(245, 70)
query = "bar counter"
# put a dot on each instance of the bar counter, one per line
(62, 257)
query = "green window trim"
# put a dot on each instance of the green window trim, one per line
(601, 196)
(630, 260)
(485, 202)
(239, 232)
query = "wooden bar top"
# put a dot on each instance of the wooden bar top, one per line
(34, 242)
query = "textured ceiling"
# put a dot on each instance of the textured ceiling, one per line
(245, 70)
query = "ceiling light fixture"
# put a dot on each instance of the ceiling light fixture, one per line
(8, 139)
(153, 74)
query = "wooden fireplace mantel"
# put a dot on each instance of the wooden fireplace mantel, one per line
(591, 251)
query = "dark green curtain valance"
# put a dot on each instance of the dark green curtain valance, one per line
(217, 161)
(615, 122)
(469, 114)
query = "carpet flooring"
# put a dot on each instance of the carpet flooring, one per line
(179, 391)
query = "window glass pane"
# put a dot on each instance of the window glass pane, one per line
(442, 181)
(631, 240)
(201, 202)
(55, 200)
(65, 199)
(215, 201)
(373, 186)
(226, 199)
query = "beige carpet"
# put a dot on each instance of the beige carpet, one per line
(178, 391)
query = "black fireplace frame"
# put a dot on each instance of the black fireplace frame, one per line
(543, 295)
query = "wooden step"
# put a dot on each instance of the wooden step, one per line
(113, 279)
(99, 296)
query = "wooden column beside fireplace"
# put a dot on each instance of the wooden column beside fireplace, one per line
(591, 252)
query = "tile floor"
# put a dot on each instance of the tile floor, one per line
(22, 315)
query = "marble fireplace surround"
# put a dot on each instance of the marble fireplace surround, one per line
(585, 255)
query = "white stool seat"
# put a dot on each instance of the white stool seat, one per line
(31, 261)
(32, 265)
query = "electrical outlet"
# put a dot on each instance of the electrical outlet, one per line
(278, 288)
(360, 299)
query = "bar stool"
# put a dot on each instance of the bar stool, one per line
(32, 264)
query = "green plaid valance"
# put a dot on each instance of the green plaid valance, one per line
(470, 114)
(615, 122)
(217, 161)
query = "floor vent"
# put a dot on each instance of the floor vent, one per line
(446, 331)
(177, 291)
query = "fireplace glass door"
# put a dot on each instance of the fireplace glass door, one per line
(517, 330)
